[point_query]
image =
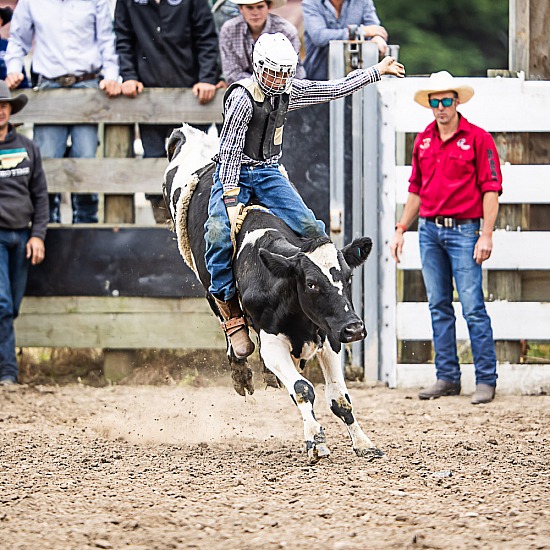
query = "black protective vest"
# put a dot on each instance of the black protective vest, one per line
(264, 137)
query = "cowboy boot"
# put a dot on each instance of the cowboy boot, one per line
(483, 394)
(234, 326)
(440, 389)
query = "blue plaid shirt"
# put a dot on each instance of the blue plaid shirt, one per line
(321, 25)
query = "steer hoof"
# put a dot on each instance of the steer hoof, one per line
(317, 449)
(241, 375)
(317, 452)
(370, 453)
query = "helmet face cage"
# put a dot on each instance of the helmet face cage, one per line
(274, 78)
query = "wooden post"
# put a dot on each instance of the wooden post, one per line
(119, 142)
(518, 35)
(117, 364)
(528, 38)
(528, 43)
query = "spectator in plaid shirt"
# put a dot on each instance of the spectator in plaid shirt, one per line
(248, 161)
(238, 36)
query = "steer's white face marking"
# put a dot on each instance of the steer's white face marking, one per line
(251, 237)
(326, 258)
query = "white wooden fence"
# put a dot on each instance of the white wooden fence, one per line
(499, 105)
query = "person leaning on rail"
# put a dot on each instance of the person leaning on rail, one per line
(238, 36)
(326, 20)
(166, 45)
(455, 183)
(74, 47)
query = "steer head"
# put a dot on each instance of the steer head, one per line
(321, 275)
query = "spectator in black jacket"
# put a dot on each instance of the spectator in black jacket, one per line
(166, 44)
(24, 213)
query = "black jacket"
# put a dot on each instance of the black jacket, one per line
(23, 191)
(173, 44)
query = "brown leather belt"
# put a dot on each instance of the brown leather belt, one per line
(68, 80)
(443, 221)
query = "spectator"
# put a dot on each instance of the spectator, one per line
(5, 17)
(23, 222)
(166, 44)
(326, 20)
(238, 36)
(54, 26)
(247, 163)
(223, 10)
(455, 183)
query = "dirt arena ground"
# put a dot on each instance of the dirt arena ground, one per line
(145, 467)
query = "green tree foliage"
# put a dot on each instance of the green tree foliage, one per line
(464, 37)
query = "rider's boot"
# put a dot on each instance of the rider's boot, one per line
(234, 325)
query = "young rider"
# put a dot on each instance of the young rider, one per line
(247, 163)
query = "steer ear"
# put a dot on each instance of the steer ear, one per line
(357, 252)
(278, 265)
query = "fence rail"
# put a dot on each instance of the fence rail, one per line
(124, 176)
(525, 184)
(152, 106)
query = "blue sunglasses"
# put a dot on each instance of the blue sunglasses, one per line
(446, 102)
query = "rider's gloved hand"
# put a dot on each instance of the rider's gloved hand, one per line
(232, 205)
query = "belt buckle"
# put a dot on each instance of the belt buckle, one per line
(67, 81)
(442, 221)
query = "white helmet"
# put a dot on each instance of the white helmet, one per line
(274, 60)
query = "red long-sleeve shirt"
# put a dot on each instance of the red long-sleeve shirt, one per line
(451, 177)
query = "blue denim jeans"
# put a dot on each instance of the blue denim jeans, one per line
(273, 191)
(52, 142)
(447, 253)
(14, 268)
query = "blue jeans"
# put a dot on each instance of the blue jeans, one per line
(273, 191)
(52, 142)
(14, 268)
(447, 253)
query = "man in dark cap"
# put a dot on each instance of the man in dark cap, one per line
(24, 213)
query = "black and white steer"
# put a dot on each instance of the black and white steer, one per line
(295, 293)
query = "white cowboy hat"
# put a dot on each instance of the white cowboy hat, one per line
(274, 3)
(443, 82)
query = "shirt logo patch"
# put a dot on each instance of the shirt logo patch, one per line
(462, 144)
(175, 2)
(10, 158)
(425, 143)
